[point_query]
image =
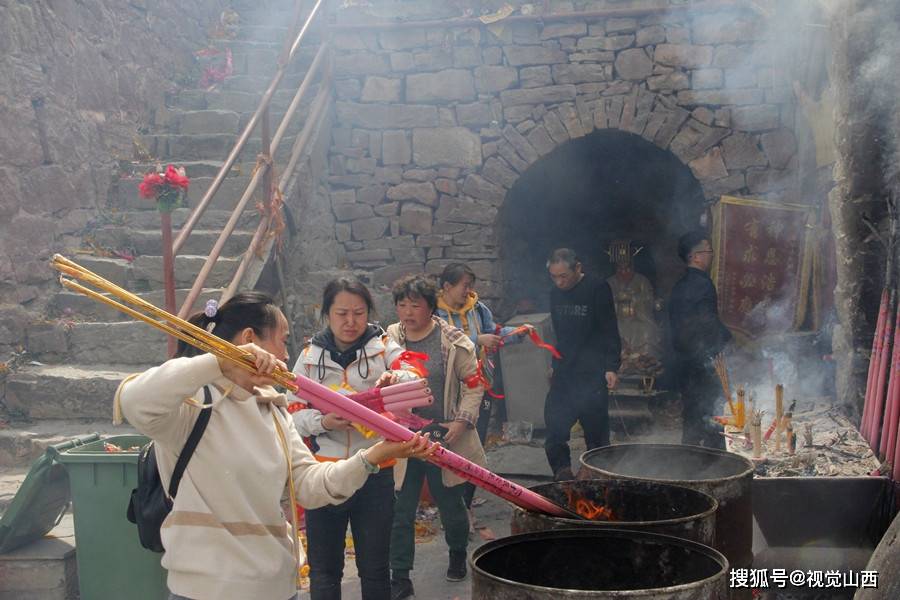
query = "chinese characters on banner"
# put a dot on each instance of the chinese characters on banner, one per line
(763, 264)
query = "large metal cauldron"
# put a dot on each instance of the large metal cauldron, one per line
(635, 505)
(724, 476)
(597, 564)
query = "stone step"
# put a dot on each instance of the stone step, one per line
(175, 148)
(24, 442)
(149, 241)
(46, 569)
(72, 305)
(116, 270)
(193, 169)
(205, 121)
(123, 342)
(148, 271)
(66, 392)
(226, 198)
(211, 219)
(262, 32)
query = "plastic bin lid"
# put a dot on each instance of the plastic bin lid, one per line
(41, 500)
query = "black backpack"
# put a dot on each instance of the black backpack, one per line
(149, 504)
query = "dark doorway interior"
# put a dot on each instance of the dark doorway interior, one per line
(606, 186)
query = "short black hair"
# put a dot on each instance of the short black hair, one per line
(252, 309)
(454, 272)
(689, 241)
(564, 255)
(350, 285)
(414, 287)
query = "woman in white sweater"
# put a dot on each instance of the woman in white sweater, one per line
(226, 537)
(350, 355)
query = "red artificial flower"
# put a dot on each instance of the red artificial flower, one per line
(149, 187)
(177, 178)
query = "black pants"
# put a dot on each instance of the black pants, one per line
(481, 426)
(370, 512)
(700, 389)
(573, 399)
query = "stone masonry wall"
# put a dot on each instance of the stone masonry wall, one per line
(77, 80)
(434, 125)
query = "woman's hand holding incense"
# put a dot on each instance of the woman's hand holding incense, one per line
(332, 422)
(489, 341)
(387, 378)
(418, 446)
(265, 363)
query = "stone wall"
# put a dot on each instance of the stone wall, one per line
(434, 125)
(77, 81)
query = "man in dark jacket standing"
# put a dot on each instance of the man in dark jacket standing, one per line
(587, 335)
(697, 337)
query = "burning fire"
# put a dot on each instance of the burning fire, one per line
(588, 508)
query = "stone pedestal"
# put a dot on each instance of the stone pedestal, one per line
(526, 370)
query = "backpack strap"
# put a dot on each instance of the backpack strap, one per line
(191, 444)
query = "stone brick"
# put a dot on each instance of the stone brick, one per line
(390, 209)
(402, 61)
(675, 34)
(780, 147)
(553, 94)
(343, 232)
(616, 42)
(709, 166)
(465, 210)
(713, 188)
(415, 219)
(478, 113)
(518, 56)
(720, 97)
(373, 194)
(386, 116)
(466, 56)
(423, 192)
(593, 56)
(381, 89)
(402, 39)
(480, 188)
(522, 146)
(633, 64)
(492, 55)
(755, 118)
(683, 55)
(391, 273)
(706, 79)
(434, 240)
(352, 212)
(677, 80)
(360, 63)
(649, 36)
(348, 89)
(446, 146)
(742, 151)
(555, 128)
(369, 229)
(11, 196)
(420, 174)
(389, 174)
(395, 148)
(490, 79)
(446, 186)
(443, 86)
(516, 114)
(375, 255)
(580, 73)
(626, 25)
(408, 255)
(726, 28)
(530, 77)
(540, 140)
(498, 171)
(558, 30)
(729, 57)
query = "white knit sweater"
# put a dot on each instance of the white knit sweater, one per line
(226, 537)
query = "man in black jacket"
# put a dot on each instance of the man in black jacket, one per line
(697, 337)
(587, 335)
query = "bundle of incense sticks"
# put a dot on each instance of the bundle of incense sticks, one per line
(722, 372)
(318, 395)
(397, 397)
(755, 433)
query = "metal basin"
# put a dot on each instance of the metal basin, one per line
(635, 505)
(597, 564)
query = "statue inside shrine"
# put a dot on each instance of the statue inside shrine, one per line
(633, 296)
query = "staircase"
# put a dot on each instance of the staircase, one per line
(78, 357)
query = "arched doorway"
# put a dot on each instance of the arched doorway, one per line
(606, 186)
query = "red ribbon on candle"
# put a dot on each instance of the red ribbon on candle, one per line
(415, 359)
(478, 378)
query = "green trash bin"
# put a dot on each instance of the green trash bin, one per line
(112, 564)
